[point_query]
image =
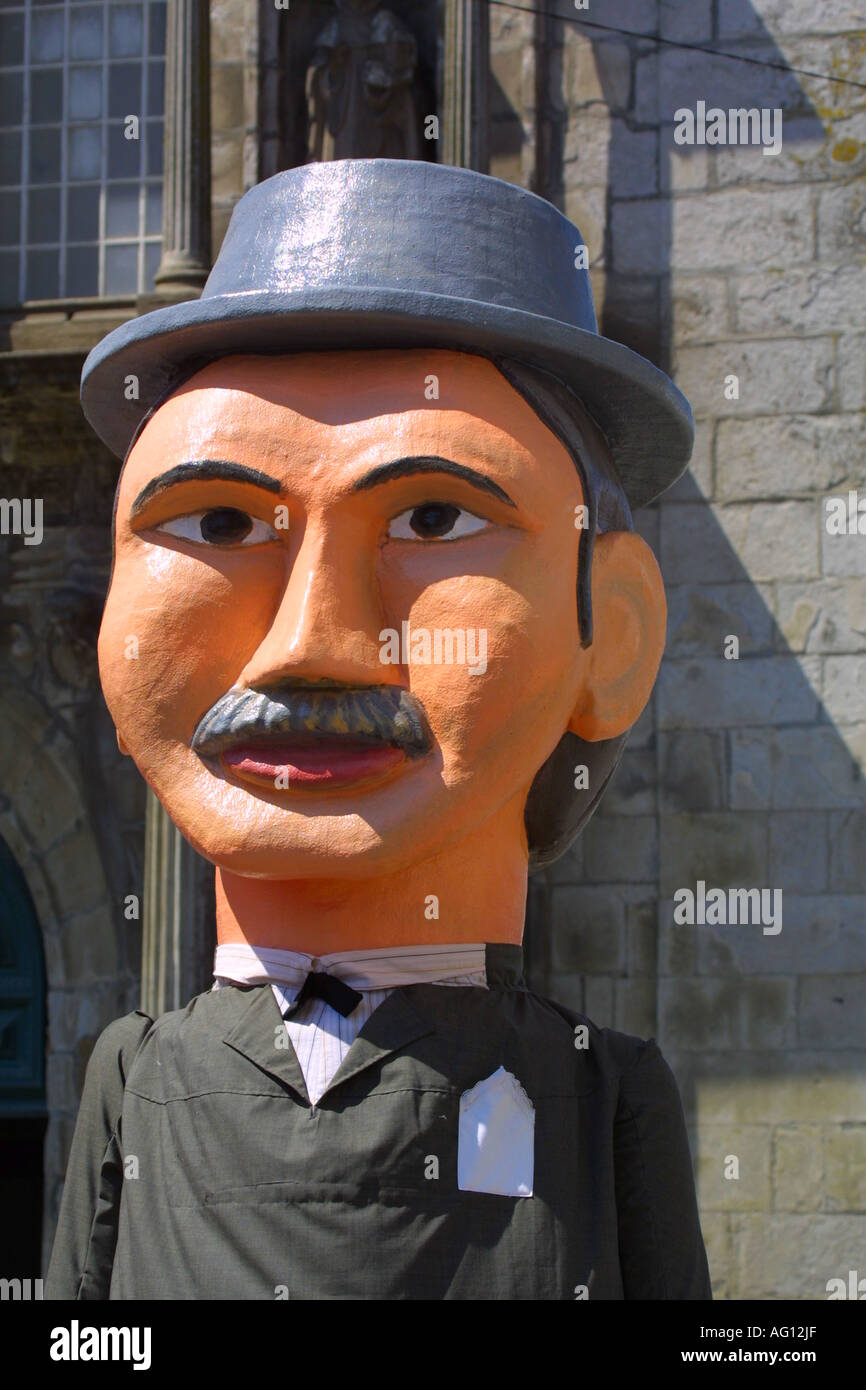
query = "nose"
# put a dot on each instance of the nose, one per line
(329, 615)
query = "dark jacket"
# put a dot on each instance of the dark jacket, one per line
(199, 1169)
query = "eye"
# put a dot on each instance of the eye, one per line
(435, 521)
(221, 526)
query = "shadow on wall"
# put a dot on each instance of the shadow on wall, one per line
(737, 776)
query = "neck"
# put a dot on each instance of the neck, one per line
(472, 892)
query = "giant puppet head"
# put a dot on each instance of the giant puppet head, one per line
(375, 580)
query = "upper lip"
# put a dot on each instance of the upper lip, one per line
(375, 715)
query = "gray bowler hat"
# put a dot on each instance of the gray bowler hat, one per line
(385, 253)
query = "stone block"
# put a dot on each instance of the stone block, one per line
(821, 299)
(820, 934)
(845, 1151)
(794, 1256)
(723, 849)
(731, 229)
(227, 96)
(693, 770)
(700, 619)
(640, 236)
(845, 555)
(786, 457)
(585, 207)
(809, 154)
(89, 947)
(833, 1011)
(715, 1229)
(776, 377)
(852, 371)
(632, 789)
(847, 841)
(227, 167)
(635, 1007)
(797, 1168)
(699, 308)
(642, 938)
(716, 1146)
(589, 930)
(737, 20)
(790, 1088)
(845, 687)
(714, 693)
(842, 226)
(632, 161)
(581, 82)
(74, 867)
(692, 23)
(599, 1000)
(586, 146)
(621, 849)
(798, 851)
(698, 1014)
(787, 769)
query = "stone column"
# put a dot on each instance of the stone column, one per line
(186, 234)
(178, 935)
(465, 117)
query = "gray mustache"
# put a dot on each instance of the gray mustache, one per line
(378, 714)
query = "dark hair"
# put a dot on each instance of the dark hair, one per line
(555, 811)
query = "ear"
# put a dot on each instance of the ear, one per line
(629, 617)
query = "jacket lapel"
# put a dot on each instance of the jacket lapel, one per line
(260, 1036)
(394, 1024)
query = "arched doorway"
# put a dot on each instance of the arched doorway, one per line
(23, 1115)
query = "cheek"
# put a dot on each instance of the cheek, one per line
(176, 631)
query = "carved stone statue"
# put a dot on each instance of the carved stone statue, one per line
(360, 86)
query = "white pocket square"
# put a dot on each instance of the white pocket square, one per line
(496, 1138)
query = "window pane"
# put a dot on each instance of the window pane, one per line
(82, 213)
(121, 213)
(45, 155)
(125, 31)
(153, 217)
(121, 269)
(46, 36)
(85, 150)
(8, 277)
(85, 32)
(152, 258)
(156, 30)
(155, 89)
(43, 215)
(10, 157)
(43, 275)
(46, 96)
(10, 219)
(85, 94)
(11, 98)
(153, 138)
(124, 156)
(12, 39)
(82, 270)
(124, 89)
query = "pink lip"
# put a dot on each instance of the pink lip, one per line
(331, 762)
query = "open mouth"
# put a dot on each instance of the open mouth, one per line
(305, 762)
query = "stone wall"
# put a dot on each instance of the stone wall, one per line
(743, 773)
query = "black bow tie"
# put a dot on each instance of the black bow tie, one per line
(335, 992)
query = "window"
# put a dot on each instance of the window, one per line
(80, 183)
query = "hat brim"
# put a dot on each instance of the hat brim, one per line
(648, 423)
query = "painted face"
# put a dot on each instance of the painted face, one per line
(342, 630)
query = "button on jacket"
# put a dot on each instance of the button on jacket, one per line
(199, 1169)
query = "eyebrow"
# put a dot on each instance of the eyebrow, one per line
(214, 470)
(430, 463)
(203, 471)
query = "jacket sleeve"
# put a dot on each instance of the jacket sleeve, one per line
(661, 1248)
(83, 1251)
